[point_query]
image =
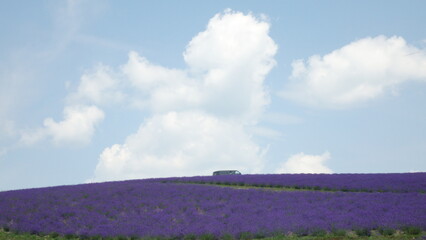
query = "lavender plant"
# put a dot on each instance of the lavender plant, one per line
(150, 208)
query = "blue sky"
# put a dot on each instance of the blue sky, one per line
(112, 90)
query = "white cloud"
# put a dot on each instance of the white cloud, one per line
(233, 55)
(232, 40)
(358, 72)
(199, 114)
(179, 144)
(302, 163)
(77, 127)
(20, 75)
(100, 86)
(160, 89)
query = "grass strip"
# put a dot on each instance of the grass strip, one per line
(280, 187)
(260, 187)
(349, 236)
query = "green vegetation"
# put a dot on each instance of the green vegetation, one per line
(261, 187)
(374, 235)
(277, 187)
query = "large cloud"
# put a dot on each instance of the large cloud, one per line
(358, 72)
(303, 163)
(177, 144)
(199, 114)
(227, 65)
(233, 55)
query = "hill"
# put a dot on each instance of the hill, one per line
(176, 208)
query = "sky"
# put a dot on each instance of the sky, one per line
(94, 91)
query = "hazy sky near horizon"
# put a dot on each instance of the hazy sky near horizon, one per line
(114, 90)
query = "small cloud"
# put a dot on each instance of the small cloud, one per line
(77, 127)
(303, 163)
(99, 86)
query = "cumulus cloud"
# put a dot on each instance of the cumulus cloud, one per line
(78, 124)
(179, 144)
(77, 127)
(199, 114)
(160, 89)
(358, 72)
(232, 40)
(226, 68)
(303, 163)
(233, 55)
(99, 86)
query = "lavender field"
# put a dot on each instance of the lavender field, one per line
(160, 208)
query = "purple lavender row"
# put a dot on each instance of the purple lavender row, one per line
(143, 208)
(391, 182)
